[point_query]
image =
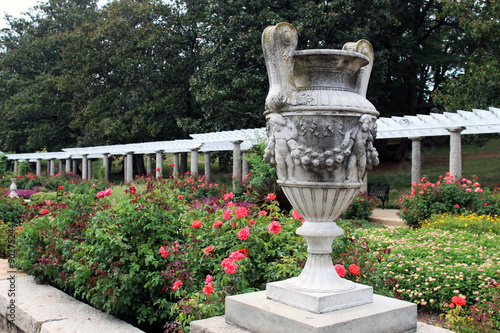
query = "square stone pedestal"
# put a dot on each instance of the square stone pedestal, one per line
(255, 313)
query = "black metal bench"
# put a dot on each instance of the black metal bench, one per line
(380, 191)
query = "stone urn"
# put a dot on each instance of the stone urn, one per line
(13, 188)
(320, 134)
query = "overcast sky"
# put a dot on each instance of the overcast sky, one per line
(16, 7)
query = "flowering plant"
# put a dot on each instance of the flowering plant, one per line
(445, 195)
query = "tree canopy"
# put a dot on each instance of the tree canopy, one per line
(73, 74)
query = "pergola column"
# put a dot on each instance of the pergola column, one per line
(176, 164)
(149, 167)
(38, 166)
(194, 161)
(159, 163)
(74, 166)
(208, 175)
(130, 167)
(52, 163)
(105, 163)
(456, 152)
(85, 165)
(416, 159)
(68, 165)
(236, 162)
(60, 166)
(16, 165)
(245, 170)
(89, 168)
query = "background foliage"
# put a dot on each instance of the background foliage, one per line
(73, 74)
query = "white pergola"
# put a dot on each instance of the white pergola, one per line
(239, 141)
(453, 124)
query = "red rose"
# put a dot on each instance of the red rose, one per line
(61, 187)
(177, 284)
(354, 269)
(271, 196)
(208, 249)
(163, 251)
(459, 301)
(217, 223)
(208, 289)
(196, 224)
(45, 211)
(241, 212)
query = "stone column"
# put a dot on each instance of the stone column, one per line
(16, 165)
(90, 168)
(456, 152)
(208, 175)
(194, 161)
(60, 166)
(52, 166)
(245, 170)
(159, 163)
(236, 163)
(130, 167)
(74, 166)
(68, 165)
(149, 167)
(85, 165)
(38, 166)
(105, 163)
(416, 159)
(176, 164)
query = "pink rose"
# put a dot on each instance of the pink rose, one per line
(227, 214)
(296, 215)
(208, 279)
(208, 249)
(61, 187)
(230, 268)
(228, 196)
(271, 196)
(251, 221)
(340, 270)
(217, 223)
(108, 192)
(244, 233)
(163, 251)
(236, 256)
(262, 213)
(274, 227)
(241, 212)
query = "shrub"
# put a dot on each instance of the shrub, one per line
(360, 208)
(4, 239)
(446, 195)
(11, 209)
(44, 196)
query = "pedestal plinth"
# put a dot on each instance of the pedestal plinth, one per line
(255, 313)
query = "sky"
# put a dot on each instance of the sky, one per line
(16, 7)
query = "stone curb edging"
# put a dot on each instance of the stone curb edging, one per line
(45, 309)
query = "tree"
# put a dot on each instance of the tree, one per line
(34, 114)
(476, 82)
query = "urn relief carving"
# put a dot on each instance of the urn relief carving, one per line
(321, 130)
